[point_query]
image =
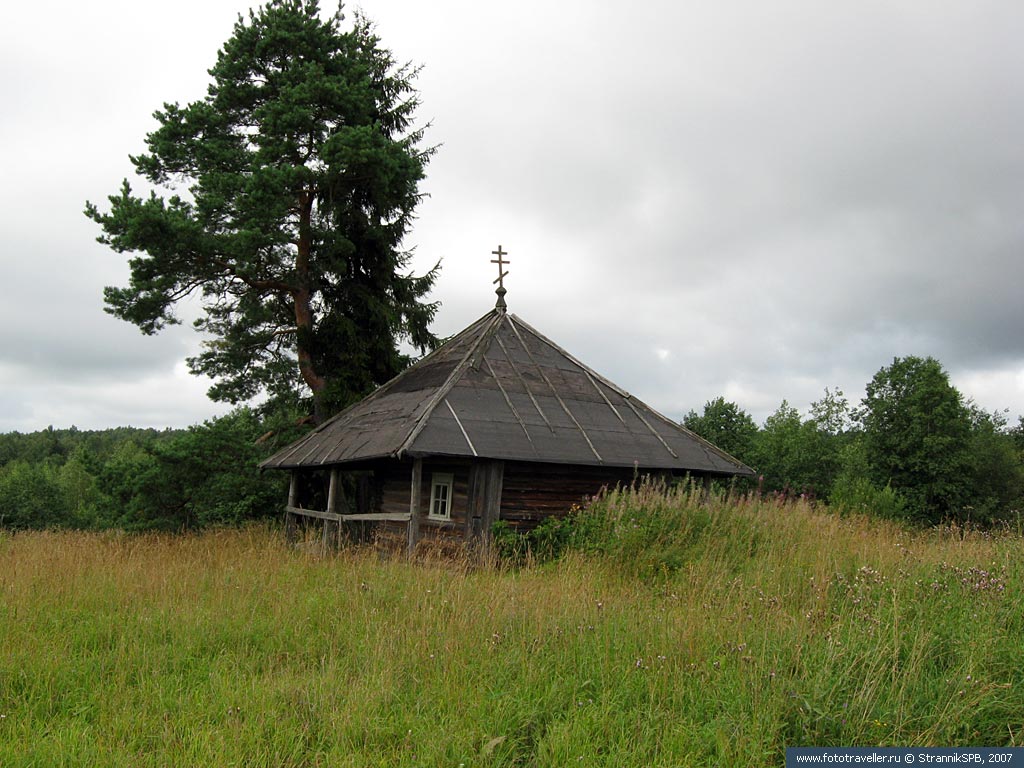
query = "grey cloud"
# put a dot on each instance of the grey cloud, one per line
(783, 195)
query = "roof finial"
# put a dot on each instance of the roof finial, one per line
(501, 278)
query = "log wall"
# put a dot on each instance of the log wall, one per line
(528, 492)
(532, 492)
(394, 483)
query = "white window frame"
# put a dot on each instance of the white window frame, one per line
(439, 480)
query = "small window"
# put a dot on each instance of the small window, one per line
(441, 496)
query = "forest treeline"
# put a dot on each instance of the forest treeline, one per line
(141, 479)
(279, 202)
(913, 449)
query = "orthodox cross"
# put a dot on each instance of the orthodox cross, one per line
(502, 274)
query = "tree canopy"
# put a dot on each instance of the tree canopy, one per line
(182, 479)
(292, 186)
(793, 454)
(725, 425)
(917, 435)
(913, 451)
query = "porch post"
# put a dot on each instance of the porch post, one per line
(414, 504)
(332, 527)
(332, 491)
(293, 496)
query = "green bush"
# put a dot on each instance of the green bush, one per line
(510, 545)
(31, 496)
(859, 495)
(651, 529)
(544, 543)
(206, 475)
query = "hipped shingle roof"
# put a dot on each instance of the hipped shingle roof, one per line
(502, 390)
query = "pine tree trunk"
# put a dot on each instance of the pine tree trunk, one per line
(304, 311)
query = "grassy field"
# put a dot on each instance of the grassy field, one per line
(710, 634)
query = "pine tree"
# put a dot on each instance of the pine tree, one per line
(292, 186)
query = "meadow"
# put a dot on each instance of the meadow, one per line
(679, 631)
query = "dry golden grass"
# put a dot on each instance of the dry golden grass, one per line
(729, 632)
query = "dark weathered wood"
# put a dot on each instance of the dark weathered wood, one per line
(484, 498)
(317, 513)
(394, 479)
(400, 517)
(462, 429)
(502, 274)
(474, 501)
(495, 473)
(291, 533)
(532, 491)
(415, 493)
(364, 494)
(330, 535)
(394, 517)
(333, 491)
(332, 528)
(555, 393)
(483, 491)
(500, 390)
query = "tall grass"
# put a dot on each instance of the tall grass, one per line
(688, 633)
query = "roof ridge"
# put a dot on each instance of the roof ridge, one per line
(495, 317)
(568, 355)
(522, 380)
(380, 391)
(472, 397)
(630, 399)
(708, 444)
(554, 391)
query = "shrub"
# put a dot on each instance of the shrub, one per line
(859, 495)
(545, 542)
(206, 475)
(31, 496)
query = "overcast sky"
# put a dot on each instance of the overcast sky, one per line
(749, 199)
